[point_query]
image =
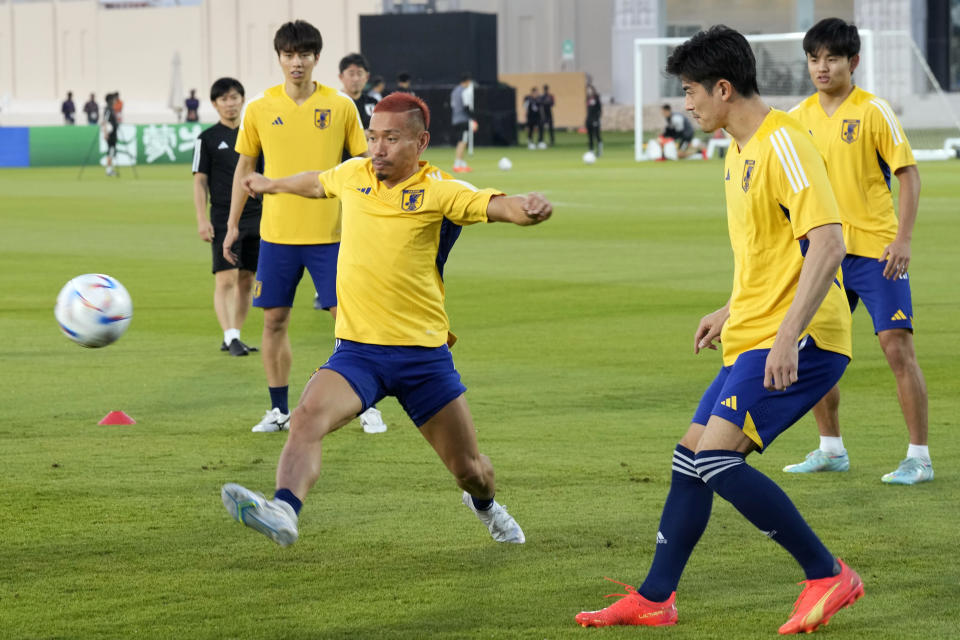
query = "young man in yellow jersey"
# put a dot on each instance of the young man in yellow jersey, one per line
(864, 144)
(785, 334)
(299, 125)
(392, 330)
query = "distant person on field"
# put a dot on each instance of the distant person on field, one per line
(214, 163)
(403, 83)
(68, 109)
(864, 144)
(193, 107)
(377, 86)
(110, 126)
(354, 73)
(594, 112)
(461, 107)
(92, 109)
(392, 329)
(677, 138)
(532, 107)
(547, 102)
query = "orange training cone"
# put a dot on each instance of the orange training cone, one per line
(117, 417)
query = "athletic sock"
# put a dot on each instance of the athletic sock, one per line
(230, 335)
(832, 446)
(481, 505)
(767, 507)
(287, 496)
(685, 516)
(918, 451)
(278, 398)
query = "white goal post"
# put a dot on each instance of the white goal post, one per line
(891, 66)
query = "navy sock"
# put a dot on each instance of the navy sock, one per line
(287, 496)
(481, 505)
(278, 398)
(767, 507)
(685, 516)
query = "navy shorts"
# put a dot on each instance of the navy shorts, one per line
(737, 393)
(887, 301)
(281, 267)
(422, 379)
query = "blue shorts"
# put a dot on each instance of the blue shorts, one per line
(422, 379)
(737, 393)
(887, 301)
(280, 269)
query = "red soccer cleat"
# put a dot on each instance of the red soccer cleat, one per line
(632, 609)
(822, 598)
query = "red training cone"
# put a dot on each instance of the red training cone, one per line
(117, 417)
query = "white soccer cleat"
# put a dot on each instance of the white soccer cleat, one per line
(501, 524)
(372, 421)
(273, 420)
(273, 518)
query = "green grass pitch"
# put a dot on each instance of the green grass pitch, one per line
(576, 345)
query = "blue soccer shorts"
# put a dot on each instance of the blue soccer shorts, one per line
(423, 379)
(280, 268)
(887, 301)
(737, 393)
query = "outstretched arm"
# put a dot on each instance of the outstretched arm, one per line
(301, 184)
(532, 208)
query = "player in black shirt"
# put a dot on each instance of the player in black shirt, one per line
(354, 73)
(214, 161)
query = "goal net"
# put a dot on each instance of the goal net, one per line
(891, 66)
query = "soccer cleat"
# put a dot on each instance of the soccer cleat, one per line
(237, 348)
(273, 420)
(273, 518)
(248, 347)
(224, 347)
(632, 609)
(910, 471)
(822, 598)
(819, 460)
(372, 421)
(501, 524)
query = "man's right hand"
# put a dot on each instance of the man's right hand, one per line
(205, 231)
(255, 184)
(709, 329)
(233, 233)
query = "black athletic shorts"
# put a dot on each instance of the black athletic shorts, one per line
(247, 248)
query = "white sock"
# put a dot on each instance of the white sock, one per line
(230, 335)
(832, 446)
(458, 163)
(918, 451)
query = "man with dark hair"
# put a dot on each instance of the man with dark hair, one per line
(594, 112)
(92, 109)
(678, 129)
(376, 88)
(531, 105)
(193, 107)
(354, 73)
(403, 83)
(110, 128)
(863, 144)
(547, 102)
(785, 334)
(214, 163)
(461, 108)
(298, 125)
(68, 109)
(392, 330)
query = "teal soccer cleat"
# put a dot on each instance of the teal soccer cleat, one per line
(910, 471)
(819, 460)
(273, 518)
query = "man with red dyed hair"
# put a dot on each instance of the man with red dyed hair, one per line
(392, 330)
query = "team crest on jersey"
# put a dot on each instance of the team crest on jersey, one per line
(850, 131)
(749, 166)
(321, 118)
(412, 199)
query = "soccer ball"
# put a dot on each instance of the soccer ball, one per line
(505, 164)
(93, 310)
(589, 157)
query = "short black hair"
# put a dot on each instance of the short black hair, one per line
(666, 107)
(403, 76)
(223, 86)
(354, 58)
(375, 80)
(839, 38)
(719, 53)
(465, 76)
(298, 36)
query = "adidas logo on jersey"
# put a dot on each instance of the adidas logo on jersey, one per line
(730, 403)
(899, 315)
(364, 190)
(279, 120)
(223, 145)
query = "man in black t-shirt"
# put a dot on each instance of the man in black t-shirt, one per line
(109, 127)
(92, 110)
(354, 73)
(214, 162)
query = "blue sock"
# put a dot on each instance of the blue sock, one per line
(481, 505)
(287, 496)
(767, 507)
(278, 398)
(685, 516)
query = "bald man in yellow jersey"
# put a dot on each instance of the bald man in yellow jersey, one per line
(298, 125)
(392, 330)
(785, 334)
(864, 145)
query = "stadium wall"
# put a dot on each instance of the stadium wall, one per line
(568, 88)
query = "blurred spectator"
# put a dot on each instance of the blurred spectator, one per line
(531, 104)
(92, 109)
(594, 110)
(68, 109)
(377, 85)
(546, 113)
(193, 106)
(403, 83)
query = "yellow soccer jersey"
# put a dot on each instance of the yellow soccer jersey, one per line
(295, 138)
(389, 291)
(777, 190)
(864, 145)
